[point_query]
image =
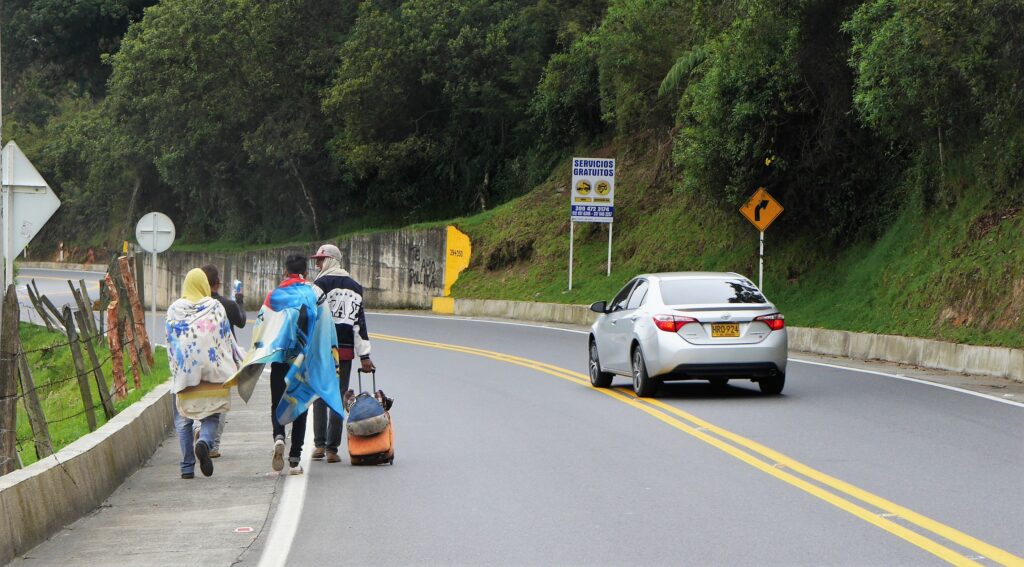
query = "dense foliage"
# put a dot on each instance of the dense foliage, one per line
(261, 120)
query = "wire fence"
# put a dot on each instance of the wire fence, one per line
(55, 387)
(93, 359)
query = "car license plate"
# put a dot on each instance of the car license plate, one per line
(725, 330)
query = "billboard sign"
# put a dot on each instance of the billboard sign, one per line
(592, 194)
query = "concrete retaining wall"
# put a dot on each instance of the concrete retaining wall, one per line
(987, 361)
(101, 268)
(397, 269)
(39, 500)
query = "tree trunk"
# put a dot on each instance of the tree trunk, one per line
(309, 198)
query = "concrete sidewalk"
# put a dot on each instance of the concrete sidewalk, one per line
(156, 518)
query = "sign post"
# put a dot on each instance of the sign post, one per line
(761, 209)
(592, 199)
(155, 234)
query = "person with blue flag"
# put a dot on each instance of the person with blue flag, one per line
(294, 333)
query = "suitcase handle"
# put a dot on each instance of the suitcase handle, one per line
(372, 373)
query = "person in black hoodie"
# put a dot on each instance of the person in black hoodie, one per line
(344, 297)
(237, 318)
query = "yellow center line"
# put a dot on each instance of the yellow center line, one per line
(648, 406)
(938, 528)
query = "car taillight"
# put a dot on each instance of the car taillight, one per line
(672, 323)
(775, 321)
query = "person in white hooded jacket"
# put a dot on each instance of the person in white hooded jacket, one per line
(344, 297)
(203, 355)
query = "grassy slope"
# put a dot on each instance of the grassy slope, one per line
(54, 377)
(950, 273)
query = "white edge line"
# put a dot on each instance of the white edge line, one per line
(916, 380)
(850, 368)
(289, 511)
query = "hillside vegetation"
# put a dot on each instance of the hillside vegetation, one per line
(891, 130)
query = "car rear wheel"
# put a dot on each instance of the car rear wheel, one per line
(772, 385)
(643, 385)
(598, 379)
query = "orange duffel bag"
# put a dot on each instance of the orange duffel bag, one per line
(373, 449)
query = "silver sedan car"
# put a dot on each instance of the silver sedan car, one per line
(688, 326)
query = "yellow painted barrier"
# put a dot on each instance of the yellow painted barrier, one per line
(443, 305)
(459, 249)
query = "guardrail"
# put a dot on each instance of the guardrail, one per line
(941, 355)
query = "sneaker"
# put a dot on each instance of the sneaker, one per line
(294, 468)
(318, 453)
(203, 456)
(214, 453)
(332, 457)
(277, 463)
(188, 475)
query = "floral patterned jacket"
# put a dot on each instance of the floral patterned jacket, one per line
(200, 345)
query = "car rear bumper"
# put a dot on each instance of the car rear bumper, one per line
(726, 370)
(680, 360)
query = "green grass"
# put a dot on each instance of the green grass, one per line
(949, 272)
(944, 271)
(53, 372)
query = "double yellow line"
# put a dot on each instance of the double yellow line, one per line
(773, 463)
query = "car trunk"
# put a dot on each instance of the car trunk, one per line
(724, 324)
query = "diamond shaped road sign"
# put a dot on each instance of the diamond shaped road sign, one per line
(32, 200)
(761, 209)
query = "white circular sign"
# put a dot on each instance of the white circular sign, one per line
(155, 232)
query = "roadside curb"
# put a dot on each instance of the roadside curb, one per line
(39, 500)
(940, 355)
(99, 268)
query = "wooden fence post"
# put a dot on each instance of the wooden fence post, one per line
(53, 309)
(36, 418)
(138, 315)
(114, 342)
(8, 382)
(80, 302)
(133, 353)
(97, 369)
(39, 308)
(87, 309)
(102, 317)
(83, 380)
(126, 331)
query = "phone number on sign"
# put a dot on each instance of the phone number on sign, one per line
(592, 211)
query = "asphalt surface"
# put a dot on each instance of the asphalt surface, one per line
(504, 461)
(54, 284)
(498, 463)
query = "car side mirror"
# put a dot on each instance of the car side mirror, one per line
(599, 307)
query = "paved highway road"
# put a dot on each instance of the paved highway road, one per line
(506, 455)
(54, 284)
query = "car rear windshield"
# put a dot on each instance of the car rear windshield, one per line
(704, 291)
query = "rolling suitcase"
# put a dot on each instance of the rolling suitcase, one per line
(378, 448)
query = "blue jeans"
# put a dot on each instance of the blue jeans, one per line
(183, 426)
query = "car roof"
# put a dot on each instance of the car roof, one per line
(691, 275)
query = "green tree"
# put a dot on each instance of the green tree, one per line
(429, 97)
(223, 99)
(942, 76)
